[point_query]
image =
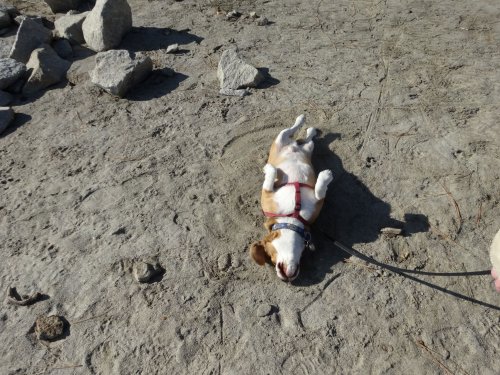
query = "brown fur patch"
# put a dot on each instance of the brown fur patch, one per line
(264, 251)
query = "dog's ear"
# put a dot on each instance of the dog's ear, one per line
(258, 253)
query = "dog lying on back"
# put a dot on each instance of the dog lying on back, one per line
(291, 200)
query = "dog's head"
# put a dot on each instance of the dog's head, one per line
(283, 248)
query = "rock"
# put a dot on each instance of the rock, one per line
(117, 71)
(63, 48)
(30, 35)
(173, 48)
(22, 300)
(231, 92)
(263, 21)
(5, 20)
(58, 6)
(253, 15)
(264, 309)
(47, 69)
(145, 272)
(6, 117)
(232, 15)
(106, 24)
(69, 26)
(234, 73)
(391, 232)
(49, 327)
(10, 71)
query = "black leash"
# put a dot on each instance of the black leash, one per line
(405, 273)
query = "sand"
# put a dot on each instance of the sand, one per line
(405, 94)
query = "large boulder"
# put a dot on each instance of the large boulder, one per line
(106, 24)
(69, 26)
(46, 68)
(30, 35)
(6, 117)
(59, 6)
(234, 73)
(117, 71)
(10, 71)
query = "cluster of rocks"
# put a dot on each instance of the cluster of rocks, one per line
(39, 56)
(235, 15)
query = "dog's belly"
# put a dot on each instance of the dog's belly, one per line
(284, 199)
(296, 171)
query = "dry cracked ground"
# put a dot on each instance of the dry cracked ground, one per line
(406, 96)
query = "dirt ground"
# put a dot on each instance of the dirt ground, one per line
(406, 96)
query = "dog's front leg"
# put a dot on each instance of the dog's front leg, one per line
(269, 178)
(324, 178)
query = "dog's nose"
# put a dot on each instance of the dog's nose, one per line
(287, 272)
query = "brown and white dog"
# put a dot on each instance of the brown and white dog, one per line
(291, 200)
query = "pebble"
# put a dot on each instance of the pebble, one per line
(264, 309)
(173, 48)
(263, 21)
(391, 232)
(145, 272)
(49, 327)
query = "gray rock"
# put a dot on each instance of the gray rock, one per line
(58, 6)
(5, 20)
(5, 98)
(49, 327)
(117, 71)
(231, 92)
(234, 73)
(145, 272)
(106, 24)
(30, 35)
(6, 117)
(63, 48)
(47, 69)
(10, 71)
(263, 21)
(391, 232)
(264, 309)
(69, 26)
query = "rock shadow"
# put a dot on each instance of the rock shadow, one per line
(351, 215)
(19, 120)
(155, 86)
(268, 81)
(141, 39)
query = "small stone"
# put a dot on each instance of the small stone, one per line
(58, 6)
(263, 21)
(49, 327)
(145, 272)
(233, 14)
(253, 15)
(6, 117)
(106, 24)
(30, 35)
(173, 48)
(10, 71)
(5, 98)
(264, 309)
(224, 262)
(117, 71)
(69, 26)
(47, 69)
(234, 73)
(391, 232)
(63, 48)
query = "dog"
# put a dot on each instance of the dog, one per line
(291, 199)
(495, 260)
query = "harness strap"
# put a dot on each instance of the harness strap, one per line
(306, 235)
(298, 203)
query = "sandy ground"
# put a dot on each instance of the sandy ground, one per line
(406, 96)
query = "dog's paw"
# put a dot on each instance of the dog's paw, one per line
(311, 133)
(325, 176)
(269, 170)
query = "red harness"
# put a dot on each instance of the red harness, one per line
(296, 212)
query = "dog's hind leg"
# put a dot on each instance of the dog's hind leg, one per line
(308, 145)
(324, 178)
(284, 138)
(270, 176)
